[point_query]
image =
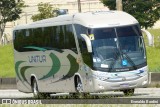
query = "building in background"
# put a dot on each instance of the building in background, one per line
(157, 25)
(70, 5)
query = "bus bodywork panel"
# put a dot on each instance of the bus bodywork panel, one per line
(104, 81)
(51, 69)
(88, 19)
(104, 19)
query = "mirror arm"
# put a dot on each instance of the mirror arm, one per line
(149, 36)
(88, 42)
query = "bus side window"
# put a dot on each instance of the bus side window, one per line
(87, 57)
(54, 43)
(69, 38)
(21, 40)
(47, 31)
(60, 37)
(15, 40)
(81, 30)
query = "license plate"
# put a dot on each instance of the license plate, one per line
(124, 85)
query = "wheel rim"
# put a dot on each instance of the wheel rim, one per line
(79, 86)
(35, 89)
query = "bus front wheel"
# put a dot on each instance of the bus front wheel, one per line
(79, 86)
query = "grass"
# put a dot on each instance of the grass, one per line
(153, 54)
(153, 59)
(156, 34)
(6, 61)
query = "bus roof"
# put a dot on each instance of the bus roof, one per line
(88, 19)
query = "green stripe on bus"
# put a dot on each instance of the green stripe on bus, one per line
(23, 70)
(37, 48)
(73, 67)
(55, 67)
(16, 68)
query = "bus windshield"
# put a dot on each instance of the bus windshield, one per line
(118, 48)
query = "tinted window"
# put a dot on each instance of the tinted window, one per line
(87, 57)
(81, 30)
(69, 38)
(55, 37)
(103, 33)
(128, 31)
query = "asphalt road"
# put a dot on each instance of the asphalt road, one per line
(139, 93)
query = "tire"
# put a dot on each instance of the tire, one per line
(79, 90)
(128, 92)
(36, 92)
(79, 85)
(73, 95)
(79, 95)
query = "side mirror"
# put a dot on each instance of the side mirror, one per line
(149, 36)
(88, 42)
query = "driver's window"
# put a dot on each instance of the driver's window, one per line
(87, 57)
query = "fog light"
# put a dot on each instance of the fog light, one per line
(101, 87)
(144, 82)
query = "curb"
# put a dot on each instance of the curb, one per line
(155, 77)
(10, 83)
(154, 80)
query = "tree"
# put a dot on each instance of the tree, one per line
(46, 11)
(9, 11)
(147, 12)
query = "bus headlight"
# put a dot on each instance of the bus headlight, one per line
(102, 78)
(145, 82)
(142, 73)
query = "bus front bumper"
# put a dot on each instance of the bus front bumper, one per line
(101, 86)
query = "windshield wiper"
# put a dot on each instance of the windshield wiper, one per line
(117, 55)
(130, 60)
(122, 53)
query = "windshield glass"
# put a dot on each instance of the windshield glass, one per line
(118, 49)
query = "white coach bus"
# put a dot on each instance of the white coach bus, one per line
(80, 53)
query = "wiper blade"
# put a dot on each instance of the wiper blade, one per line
(117, 55)
(130, 60)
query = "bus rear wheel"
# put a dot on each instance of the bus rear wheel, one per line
(128, 92)
(36, 92)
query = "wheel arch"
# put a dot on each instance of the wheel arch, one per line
(33, 76)
(77, 75)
